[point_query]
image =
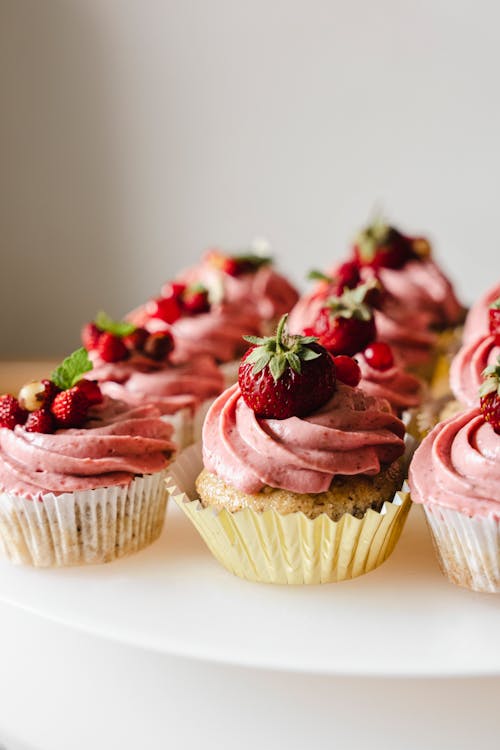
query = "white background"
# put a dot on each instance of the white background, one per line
(135, 133)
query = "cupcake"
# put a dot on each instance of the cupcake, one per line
(455, 475)
(81, 476)
(135, 366)
(301, 472)
(477, 320)
(469, 364)
(345, 325)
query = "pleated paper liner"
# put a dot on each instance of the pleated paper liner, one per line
(271, 547)
(468, 549)
(85, 527)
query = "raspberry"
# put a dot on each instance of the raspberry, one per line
(379, 356)
(70, 407)
(40, 420)
(11, 412)
(91, 390)
(111, 348)
(90, 336)
(347, 370)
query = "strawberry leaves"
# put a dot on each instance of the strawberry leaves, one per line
(352, 303)
(280, 351)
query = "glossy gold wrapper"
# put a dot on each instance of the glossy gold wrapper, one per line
(271, 547)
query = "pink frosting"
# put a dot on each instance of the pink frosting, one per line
(399, 388)
(421, 287)
(169, 388)
(467, 367)
(477, 322)
(352, 434)
(458, 466)
(116, 444)
(263, 291)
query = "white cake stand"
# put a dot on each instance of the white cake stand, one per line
(166, 646)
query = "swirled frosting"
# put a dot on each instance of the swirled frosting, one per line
(351, 434)
(116, 444)
(458, 466)
(169, 387)
(401, 389)
(477, 320)
(467, 367)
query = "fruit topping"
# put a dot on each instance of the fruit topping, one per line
(40, 420)
(383, 246)
(91, 390)
(283, 376)
(490, 395)
(237, 265)
(165, 308)
(70, 407)
(379, 355)
(346, 324)
(494, 316)
(195, 299)
(11, 412)
(116, 341)
(159, 345)
(36, 395)
(347, 370)
(111, 348)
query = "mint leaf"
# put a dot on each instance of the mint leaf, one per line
(71, 369)
(315, 275)
(116, 327)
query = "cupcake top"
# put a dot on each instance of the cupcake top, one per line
(477, 320)
(383, 378)
(61, 435)
(458, 466)
(290, 423)
(468, 366)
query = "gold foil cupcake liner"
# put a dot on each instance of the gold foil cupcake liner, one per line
(468, 549)
(271, 547)
(84, 527)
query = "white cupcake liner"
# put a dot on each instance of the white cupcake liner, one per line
(84, 527)
(271, 547)
(468, 549)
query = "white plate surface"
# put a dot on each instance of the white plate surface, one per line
(402, 619)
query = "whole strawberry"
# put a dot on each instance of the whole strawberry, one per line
(111, 348)
(70, 407)
(237, 265)
(346, 324)
(90, 336)
(494, 316)
(490, 396)
(286, 376)
(40, 420)
(11, 412)
(92, 391)
(383, 246)
(195, 299)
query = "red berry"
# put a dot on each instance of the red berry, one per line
(347, 275)
(232, 267)
(91, 390)
(50, 392)
(40, 420)
(135, 341)
(342, 335)
(490, 406)
(297, 378)
(70, 407)
(195, 300)
(382, 246)
(347, 370)
(379, 355)
(11, 412)
(111, 348)
(494, 313)
(159, 345)
(167, 309)
(90, 336)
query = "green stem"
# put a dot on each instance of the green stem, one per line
(279, 332)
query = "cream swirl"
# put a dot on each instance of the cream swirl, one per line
(467, 367)
(351, 434)
(458, 466)
(401, 389)
(116, 444)
(477, 320)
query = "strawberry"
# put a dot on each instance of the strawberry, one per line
(40, 420)
(494, 316)
(159, 345)
(90, 336)
(166, 308)
(70, 407)
(383, 246)
(346, 324)
(91, 390)
(111, 348)
(490, 395)
(11, 412)
(237, 265)
(284, 376)
(347, 370)
(135, 341)
(195, 299)
(379, 355)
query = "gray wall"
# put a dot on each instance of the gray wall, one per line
(135, 133)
